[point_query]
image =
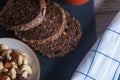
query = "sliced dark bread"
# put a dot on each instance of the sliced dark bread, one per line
(22, 14)
(66, 42)
(50, 29)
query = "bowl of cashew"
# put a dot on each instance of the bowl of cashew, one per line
(18, 61)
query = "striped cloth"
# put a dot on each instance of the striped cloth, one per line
(102, 62)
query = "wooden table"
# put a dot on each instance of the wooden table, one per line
(105, 12)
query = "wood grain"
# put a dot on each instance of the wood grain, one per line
(105, 12)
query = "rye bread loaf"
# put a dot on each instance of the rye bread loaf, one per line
(50, 29)
(66, 42)
(22, 14)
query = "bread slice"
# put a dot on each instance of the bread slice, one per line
(61, 46)
(66, 42)
(22, 14)
(50, 29)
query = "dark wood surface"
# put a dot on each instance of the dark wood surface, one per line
(105, 12)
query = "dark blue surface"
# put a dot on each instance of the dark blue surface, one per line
(63, 68)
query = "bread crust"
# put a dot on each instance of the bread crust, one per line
(22, 15)
(53, 35)
(64, 44)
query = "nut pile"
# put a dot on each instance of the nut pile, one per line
(13, 64)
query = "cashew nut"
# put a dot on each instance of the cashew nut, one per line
(14, 65)
(1, 66)
(25, 61)
(3, 47)
(13, 73)
(25, 74)
(7, 51)
(20, 60)
(7, 78)
(26, 68)
(5, 70)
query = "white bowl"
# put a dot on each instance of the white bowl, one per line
(29, 53)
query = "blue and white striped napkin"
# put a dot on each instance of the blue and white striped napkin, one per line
(102, 62)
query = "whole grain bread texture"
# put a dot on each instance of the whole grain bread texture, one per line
(66, 42)
(22, 14)
(50, 29)
(66, 37)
